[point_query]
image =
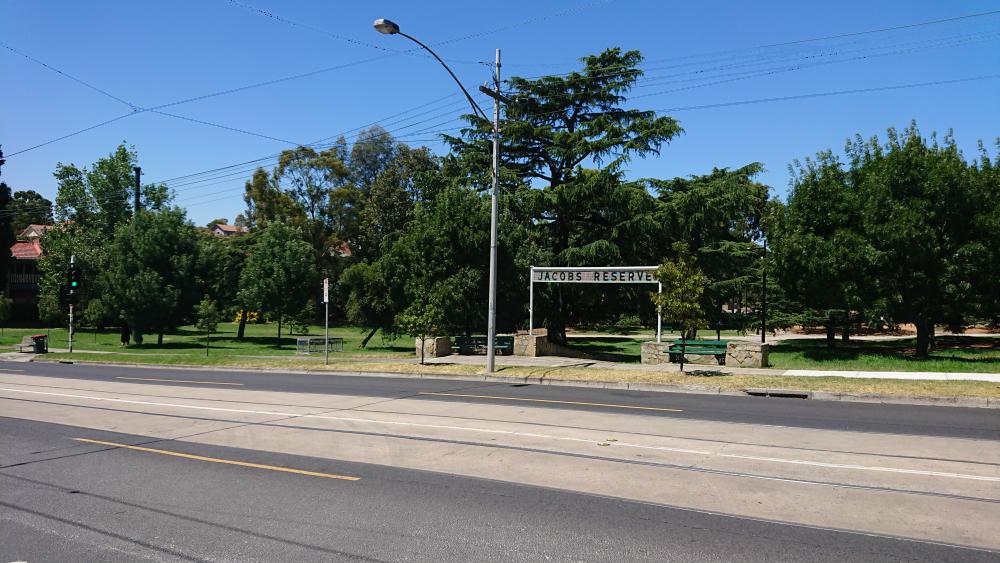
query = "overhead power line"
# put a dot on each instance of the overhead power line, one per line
(747, 50)
(255, 85)
(833, 93)
(136, 109)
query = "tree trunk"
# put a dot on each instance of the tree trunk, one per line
(369, 337)
(279, 329)
(421, 350)
(691, 334)
(846, 334)
(925, 337)
(831, 334)
(159, 338)
(207, 336)
(243, 325)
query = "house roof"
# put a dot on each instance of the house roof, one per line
(26, 249)
(229, 228)
(34, 230)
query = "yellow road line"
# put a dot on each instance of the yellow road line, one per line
(223, 461)
(553, 401)
(179, 381)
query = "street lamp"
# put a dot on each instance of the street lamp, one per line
(390, 28)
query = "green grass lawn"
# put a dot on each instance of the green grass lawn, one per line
(187, 345)
(261, 346)
(952, 354)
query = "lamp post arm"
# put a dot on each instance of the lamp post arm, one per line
(475, 107)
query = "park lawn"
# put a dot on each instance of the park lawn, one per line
(951, 354)
(187, 345)
(968, 354)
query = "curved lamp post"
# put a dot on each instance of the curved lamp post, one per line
(390, 28)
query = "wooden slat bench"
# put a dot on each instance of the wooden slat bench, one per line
(715, 348)
(477, 345)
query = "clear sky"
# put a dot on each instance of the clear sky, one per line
(698, 53)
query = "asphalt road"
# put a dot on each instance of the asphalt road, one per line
(63, 500)
(956, 422)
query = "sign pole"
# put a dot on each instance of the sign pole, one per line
(659, 312)
(326, 321)
(72, 263)
(531, 303)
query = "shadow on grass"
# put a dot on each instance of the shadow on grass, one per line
(956, 349)
(608, 349)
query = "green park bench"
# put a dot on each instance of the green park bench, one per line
(477, 344)
(715, 348)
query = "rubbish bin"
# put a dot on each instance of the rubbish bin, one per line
(40, 342)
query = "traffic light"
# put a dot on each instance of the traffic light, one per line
(73, 283)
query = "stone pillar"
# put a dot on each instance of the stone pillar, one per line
(434, 346)
(532, 345)
(655, 352)
(745, 354)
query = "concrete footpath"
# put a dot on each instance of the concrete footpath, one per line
(560, 362)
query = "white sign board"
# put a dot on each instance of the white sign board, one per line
(593, 275)
(326, 290)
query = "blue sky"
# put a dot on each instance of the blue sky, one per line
(154, 53)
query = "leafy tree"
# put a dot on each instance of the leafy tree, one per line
(421, 319)
(310, 177)
(267, 202)
(279, 276)
(208, 319)
(151, 277)
(29, 207)
(683, 286)
(99, 198)
(921, 217)
(985, 180)
(220, 263)
(719, 216)
(369, 304)
(557, 127)
(819, 245)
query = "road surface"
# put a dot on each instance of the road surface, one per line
(112, 463)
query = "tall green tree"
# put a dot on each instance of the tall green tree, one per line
(279, 276)
(819, 246)
(718, 216)
(572, 136)
(29, 207)
(267, 202)
(100, 197)
(920, 215)
(151, 278)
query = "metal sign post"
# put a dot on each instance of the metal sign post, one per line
(326, 321)
(72, 264)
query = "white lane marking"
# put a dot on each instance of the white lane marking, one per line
(178, 380)
(527, 435)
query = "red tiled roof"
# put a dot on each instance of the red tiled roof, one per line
(26, 250)
(229, 228)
